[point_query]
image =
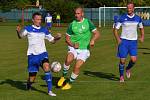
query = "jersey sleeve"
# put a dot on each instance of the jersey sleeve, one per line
(48, 35)
(91, 26)
(140, 25)
(119, 23)
(24, 31)
(69, 30)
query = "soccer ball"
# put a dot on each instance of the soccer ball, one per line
(55, 66)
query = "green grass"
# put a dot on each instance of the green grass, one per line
(98, 79)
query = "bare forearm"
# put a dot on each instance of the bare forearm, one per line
(96, 35)
(117, 37)
(18, 34)
(142, 32)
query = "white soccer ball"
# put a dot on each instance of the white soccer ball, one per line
(55, 66)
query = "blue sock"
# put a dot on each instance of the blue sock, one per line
(48, 79)
(121, 69)
(130, 65)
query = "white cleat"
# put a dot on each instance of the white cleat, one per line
(121, 79)
(128, 74)
(51, 94)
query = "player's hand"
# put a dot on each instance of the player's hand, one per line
(76, 45)
(18, 28)
(92, 43)
(141, 40)
(119, 41)
(57, 37)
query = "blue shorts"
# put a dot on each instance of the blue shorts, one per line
(127, 47)
(58, 20)
(35, 61)
(49, 25)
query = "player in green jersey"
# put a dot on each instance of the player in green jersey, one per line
(79, 39)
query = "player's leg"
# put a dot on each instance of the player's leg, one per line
(69, 59)
(32, 69)
(133, 57)
(74, 74)
(31, 79)
(81, 58)
(122, 54)
(66, 66)
(48, 76)
(121, 69)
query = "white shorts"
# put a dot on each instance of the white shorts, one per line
(79, 54)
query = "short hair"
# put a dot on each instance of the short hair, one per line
(36, 13)
(130, 3)
(79, 7)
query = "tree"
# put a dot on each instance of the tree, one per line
(63, 7)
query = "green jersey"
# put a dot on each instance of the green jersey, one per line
(80, 32)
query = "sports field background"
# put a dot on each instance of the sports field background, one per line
(98, 79)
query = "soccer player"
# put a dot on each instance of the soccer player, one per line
(37, 54)
(80, 36)
(48, 21)
(127, 42)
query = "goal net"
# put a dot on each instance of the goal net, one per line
(107, 15)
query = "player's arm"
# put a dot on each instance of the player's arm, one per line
(141, 28)
(96, 36)
(141, 38)
(52, 39)
(69, 43)
(117, 37)
(96, 33)
(20, 32)
(68, 36)
(115, 31)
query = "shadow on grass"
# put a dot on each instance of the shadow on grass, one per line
(144, 48)
(145, 53)
(108, 76)
(19, 85)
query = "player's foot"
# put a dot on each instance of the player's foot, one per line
(61, 81)
(128, 74)
(121, 79)
(51, 93)
(28, 86)
(66, 86)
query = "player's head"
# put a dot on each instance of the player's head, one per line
(130, 8)
(79, 13)
(48, 14)
(37, 18)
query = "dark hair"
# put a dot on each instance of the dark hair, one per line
(36, 13)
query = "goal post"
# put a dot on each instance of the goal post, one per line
(106, 14)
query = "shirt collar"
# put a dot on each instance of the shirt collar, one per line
(131, 16)
(36, 27)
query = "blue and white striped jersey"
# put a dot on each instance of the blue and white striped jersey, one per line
(36, 39)
(129, 26)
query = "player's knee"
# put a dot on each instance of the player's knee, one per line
(122, 62)
(134, 59)
(46, 67)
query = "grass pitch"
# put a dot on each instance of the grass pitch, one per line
(98, 79)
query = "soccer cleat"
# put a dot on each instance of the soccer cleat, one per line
(28, 86)
(51, 94)
(61, 81)
(66, 86)
(121, 79)
(128, 74)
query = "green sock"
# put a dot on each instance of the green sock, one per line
(65, 70)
